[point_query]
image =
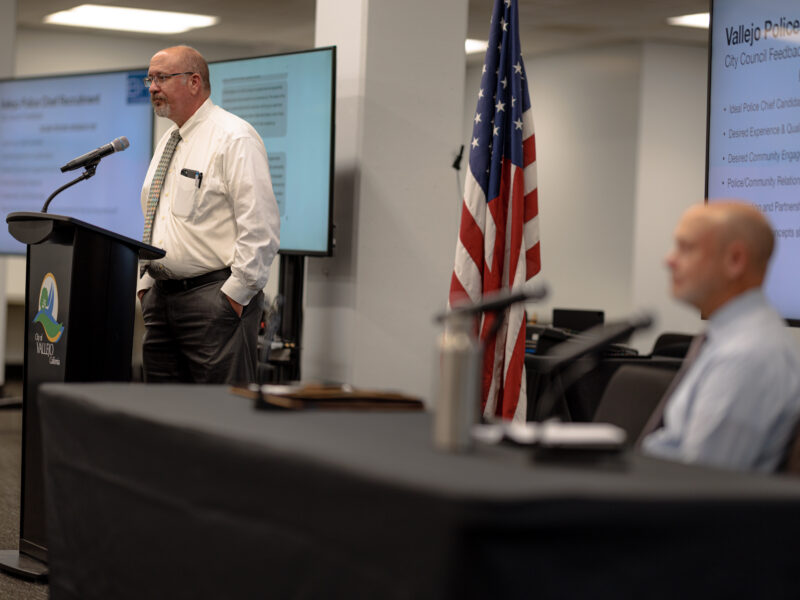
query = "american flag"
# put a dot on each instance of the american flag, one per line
(498, 245)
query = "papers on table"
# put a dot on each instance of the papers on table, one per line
(553, 435)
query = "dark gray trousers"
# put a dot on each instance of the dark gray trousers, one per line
(195, 336)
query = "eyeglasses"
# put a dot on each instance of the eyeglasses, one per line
(160, 79)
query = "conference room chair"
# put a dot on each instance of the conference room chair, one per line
(791, 461)
(672, 344)
(631, 396)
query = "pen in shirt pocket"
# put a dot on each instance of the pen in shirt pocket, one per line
(191, 174)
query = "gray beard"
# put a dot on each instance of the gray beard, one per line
(162, 111)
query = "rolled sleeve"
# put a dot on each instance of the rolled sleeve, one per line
(257, 218)
(145, 283)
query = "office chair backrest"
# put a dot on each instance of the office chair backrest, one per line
(672, 344)
(791, 461)
(631, 396)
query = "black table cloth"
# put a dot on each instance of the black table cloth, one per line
(187, 492)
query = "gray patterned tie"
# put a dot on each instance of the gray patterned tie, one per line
(157, 184)
(656, 420)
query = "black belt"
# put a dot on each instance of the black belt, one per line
(170, 286)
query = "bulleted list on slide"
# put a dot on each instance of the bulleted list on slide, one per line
(754, 122)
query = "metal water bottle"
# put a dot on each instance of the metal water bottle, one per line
(458, 399)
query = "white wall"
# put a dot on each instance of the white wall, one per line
(670, 176)
(369, 310)
(41, 52)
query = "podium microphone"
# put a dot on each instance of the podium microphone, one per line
(89, 161)
(118, 145)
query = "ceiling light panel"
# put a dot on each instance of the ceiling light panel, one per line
(130, 19)
(699, 20)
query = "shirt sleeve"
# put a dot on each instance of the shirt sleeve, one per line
(736, 404)
(146, 281)
(257, 218)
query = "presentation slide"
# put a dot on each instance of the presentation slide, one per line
(288, 98)
(45, 122)
(754, 125)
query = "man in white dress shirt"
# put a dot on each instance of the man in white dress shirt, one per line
(208, 201)
(738, 401)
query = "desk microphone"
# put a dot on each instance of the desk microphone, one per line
(118, 145)
(595, 339)
(497, 301)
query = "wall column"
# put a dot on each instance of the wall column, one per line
(369, 309)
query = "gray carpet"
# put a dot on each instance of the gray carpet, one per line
(10, 454)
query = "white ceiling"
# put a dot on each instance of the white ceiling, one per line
(546, 25)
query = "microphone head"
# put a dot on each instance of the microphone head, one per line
(120, 144)
(642, 320)
(536, 292)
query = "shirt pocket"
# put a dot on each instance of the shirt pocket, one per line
(211, 198)
(186, 196)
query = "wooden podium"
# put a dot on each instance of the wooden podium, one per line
(80, 295)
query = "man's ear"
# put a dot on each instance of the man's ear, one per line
(736, 259)
(195, 84)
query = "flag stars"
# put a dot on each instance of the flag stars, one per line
(518, 68)
(507, 3)
(504, 24)
(513, 101)
(500, 107)
(495, 130)
(518, 123)
(480, 93)
(474, 142)
(477, 118)
(505, 82)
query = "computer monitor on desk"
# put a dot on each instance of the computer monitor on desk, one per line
(577, 320)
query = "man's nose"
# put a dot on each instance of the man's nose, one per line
(669, 259)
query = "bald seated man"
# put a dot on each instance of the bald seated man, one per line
(737, 404)
(208, 201)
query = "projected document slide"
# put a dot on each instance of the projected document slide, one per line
(287, 98)
(754, 125)
(46, 122)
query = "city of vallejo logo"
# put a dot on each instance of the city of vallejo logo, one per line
(47, 317)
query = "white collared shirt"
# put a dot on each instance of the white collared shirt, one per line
(738, 403)
(231, 218)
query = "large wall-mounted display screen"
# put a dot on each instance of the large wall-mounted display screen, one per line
(754, 126)
(47, 121)
(290, 100)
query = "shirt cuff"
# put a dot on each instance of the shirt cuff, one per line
(238, 292)
(146, 281)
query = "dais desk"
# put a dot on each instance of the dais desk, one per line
(187, 492)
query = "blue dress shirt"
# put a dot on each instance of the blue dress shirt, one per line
(738, 403)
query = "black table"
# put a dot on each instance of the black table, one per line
(186, 492)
